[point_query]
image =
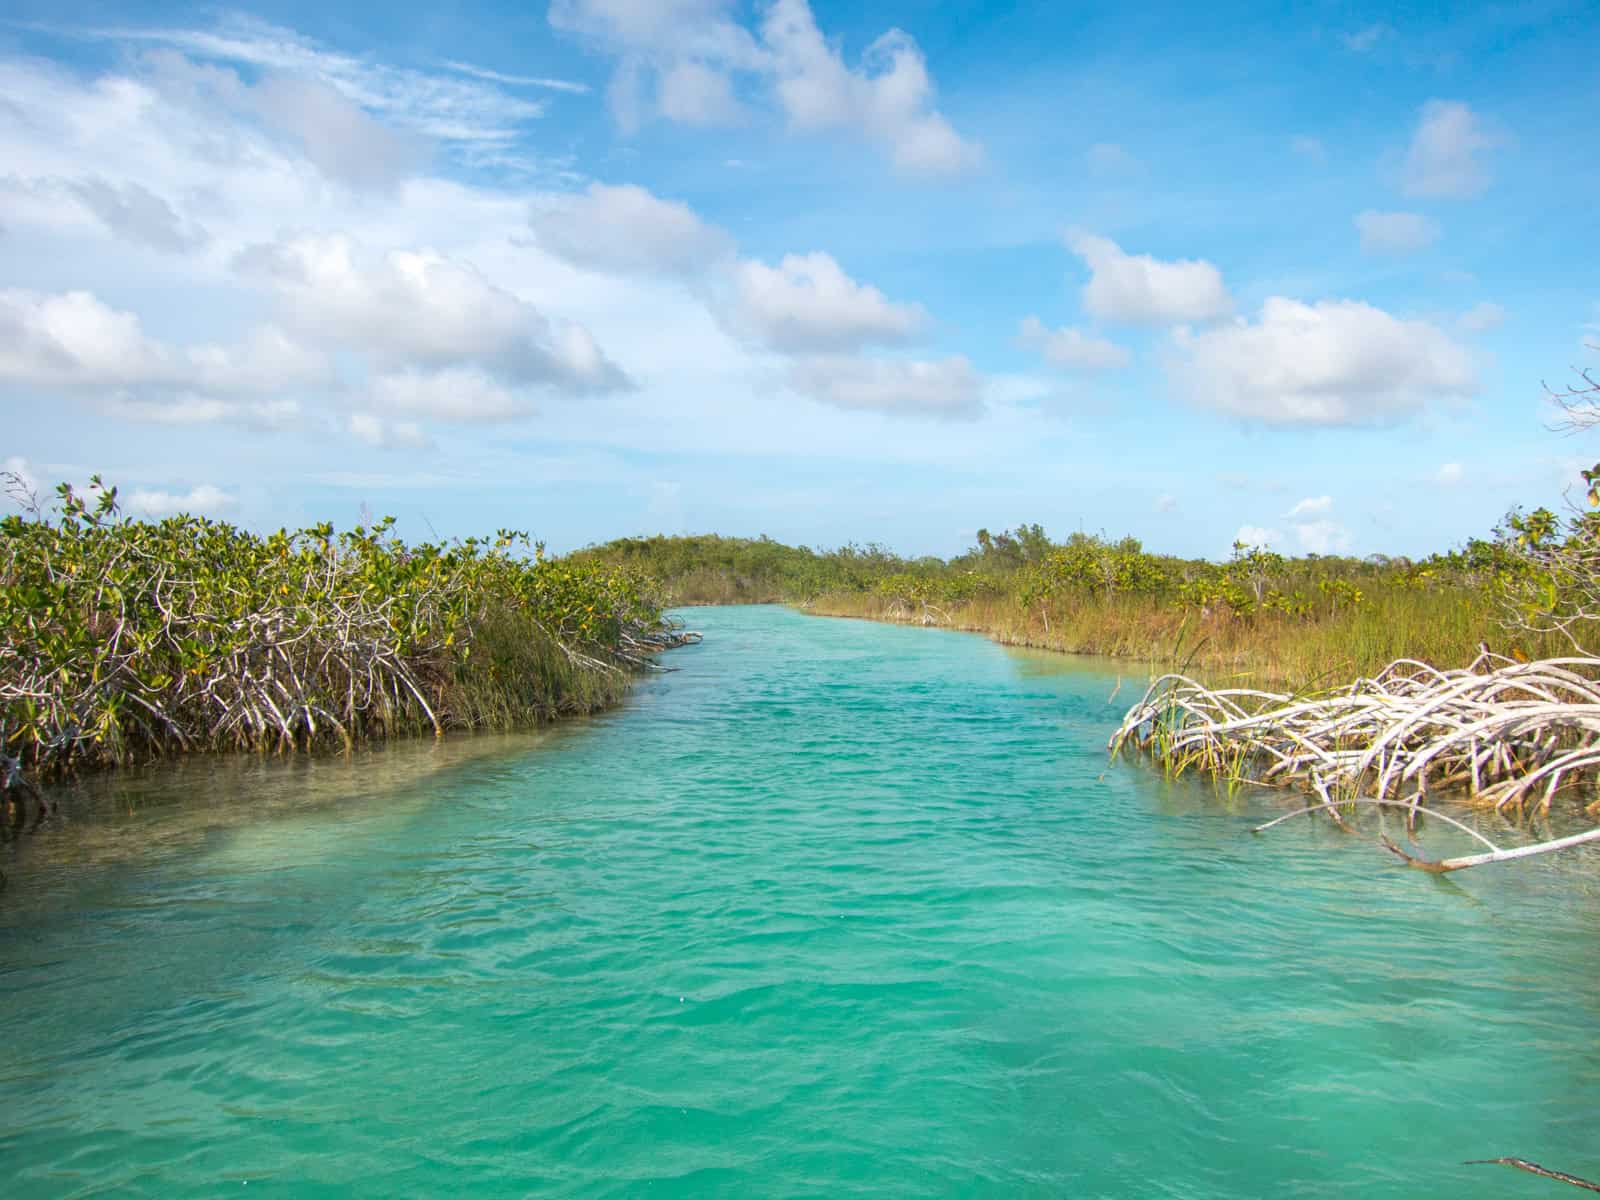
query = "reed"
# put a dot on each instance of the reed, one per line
(1257, 616)
(1444, 626)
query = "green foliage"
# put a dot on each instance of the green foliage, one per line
(123, 638)
(1546, 572)
(708, 569)
(1257, 612)
(1048, 577)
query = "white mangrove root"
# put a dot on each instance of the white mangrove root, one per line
(1511, 734)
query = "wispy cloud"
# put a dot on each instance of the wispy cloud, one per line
(946, 388)
(1362, 40)
(1395, 232)
(554, 85)
(440, 106)
(1309, 147)
(1311, 506)
(1447, 151)
(1482, 318)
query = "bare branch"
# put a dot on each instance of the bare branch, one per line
(1508, 734)
(1445, 865)
(1534, 1168)
(1580, 403)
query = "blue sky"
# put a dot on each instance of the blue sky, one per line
(825, 271)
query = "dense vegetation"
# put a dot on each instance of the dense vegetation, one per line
(124, 639)
(707, 569)
(1259, 614)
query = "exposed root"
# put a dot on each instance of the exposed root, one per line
(1502, 733)
(918, 612)
(637, 647)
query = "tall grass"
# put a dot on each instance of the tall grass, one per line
(1256, 616)
(1441, 627)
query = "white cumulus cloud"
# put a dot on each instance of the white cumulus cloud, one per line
(1072, 348)
(808, 303)
(1258, 538)
(420, 309)
(202, 500)
(683, 60)
(890, 98)
(1336, 362)
(1323, 537)
(73, 342)
(1139, 288)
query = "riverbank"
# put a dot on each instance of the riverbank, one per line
(126, 641)
(1327, 649)
(1256, 617)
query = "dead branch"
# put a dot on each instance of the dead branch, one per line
(1534, 1168)
(1503, 733)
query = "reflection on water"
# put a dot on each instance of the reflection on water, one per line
(835, 909)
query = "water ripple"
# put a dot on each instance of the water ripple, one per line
(835, 909)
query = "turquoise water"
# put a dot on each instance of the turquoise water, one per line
(836, 909)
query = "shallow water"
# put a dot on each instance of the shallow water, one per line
(834, 909)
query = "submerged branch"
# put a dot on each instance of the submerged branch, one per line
(1406, 804)
(1534, 1168)
(1444, 865)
